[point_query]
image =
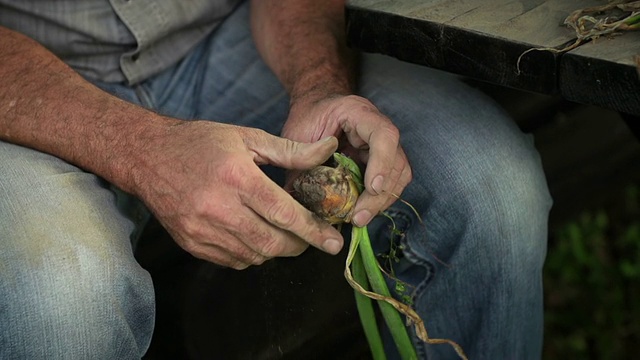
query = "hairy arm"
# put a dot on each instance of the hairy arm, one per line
(47, 106)
(304, 43)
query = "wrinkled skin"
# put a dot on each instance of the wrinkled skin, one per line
(368, 136)
(206, 188)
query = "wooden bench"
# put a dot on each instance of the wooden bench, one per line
(492, 41)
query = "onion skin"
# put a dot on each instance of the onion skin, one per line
(328, 192)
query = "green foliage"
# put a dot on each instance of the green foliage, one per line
(592, 284)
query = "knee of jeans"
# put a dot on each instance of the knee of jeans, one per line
(69, 284)
(509, 212)
(79, 305)
(490, 210)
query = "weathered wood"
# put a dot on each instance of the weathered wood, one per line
(476, 38)
(603, 73)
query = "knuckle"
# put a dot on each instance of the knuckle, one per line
(232, 171)
(248, 257)
(297, 251)
(206, 254)
(282, 214)
(238, 265)
(233, 221)
(198, 202)
(290, 146)
(391, 132)
(364, 103)
(261, 240)
(407, 175)
(204, 206)
(192, 248)
(190, 229)
(241, 252)
(257, 259)
(272, 247)
(356, 98)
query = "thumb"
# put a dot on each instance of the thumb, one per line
(291, 154)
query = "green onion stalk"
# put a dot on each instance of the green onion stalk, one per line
(331, 193)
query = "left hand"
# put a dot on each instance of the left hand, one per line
(371, 138)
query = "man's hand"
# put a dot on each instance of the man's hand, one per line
(303, 42)
(202, 180)
(371, 138)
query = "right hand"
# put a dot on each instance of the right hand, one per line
(202, 181)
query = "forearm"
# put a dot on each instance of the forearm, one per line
(46, 106)
(304, 44)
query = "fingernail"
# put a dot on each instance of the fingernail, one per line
(376, 184)
(332, 246)
(362, 218)
(327, 139)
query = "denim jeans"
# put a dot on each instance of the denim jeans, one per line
(71, 288)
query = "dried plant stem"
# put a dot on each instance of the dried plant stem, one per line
(323, 190)
(587, 27)
(361, 238)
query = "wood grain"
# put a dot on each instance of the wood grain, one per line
(486, 40)
(603, 72)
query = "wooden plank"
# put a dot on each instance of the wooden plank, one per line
(475, 38)
(603, 73)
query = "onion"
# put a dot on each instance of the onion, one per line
(329, 192)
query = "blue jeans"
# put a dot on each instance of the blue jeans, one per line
(71, 288)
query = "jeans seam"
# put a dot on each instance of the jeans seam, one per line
(413, 257)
